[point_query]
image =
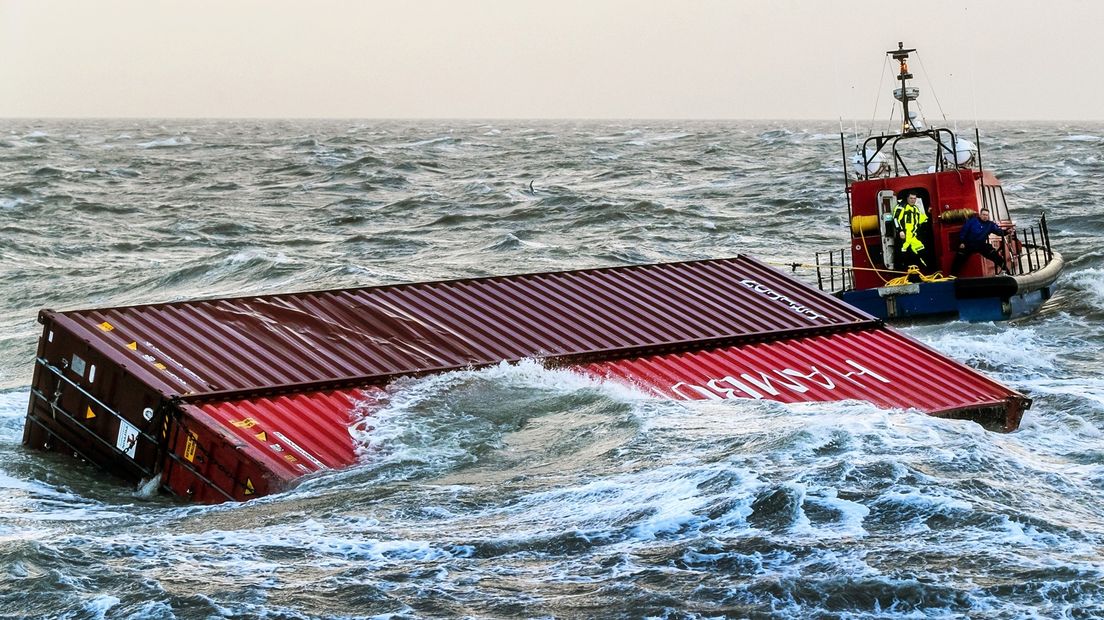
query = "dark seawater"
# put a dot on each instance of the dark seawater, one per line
(519, 491)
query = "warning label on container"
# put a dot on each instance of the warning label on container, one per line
(127, 439)
(310, 457)
(190, 447)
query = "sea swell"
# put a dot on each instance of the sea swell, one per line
(523, 491)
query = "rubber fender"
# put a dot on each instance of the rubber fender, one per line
(1002, 287)
(956, 215)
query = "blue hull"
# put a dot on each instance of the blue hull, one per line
(974, 299)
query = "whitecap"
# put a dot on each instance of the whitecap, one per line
(1012, 349)
(389, 421)
(98, 606)
(165, 142)
(250, 255)
(1091, 281)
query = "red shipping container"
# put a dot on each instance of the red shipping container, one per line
(234, 398)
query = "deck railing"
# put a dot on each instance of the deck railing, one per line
(833, 271)
(1029, 248)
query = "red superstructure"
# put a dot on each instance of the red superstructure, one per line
(950, 196)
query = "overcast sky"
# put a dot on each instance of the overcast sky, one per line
(742, 59)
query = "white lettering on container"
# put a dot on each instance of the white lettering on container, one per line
(801, 309)
(775, 383)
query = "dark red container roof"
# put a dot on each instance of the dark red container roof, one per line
(369, 335)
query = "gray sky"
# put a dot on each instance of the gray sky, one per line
(745, 59)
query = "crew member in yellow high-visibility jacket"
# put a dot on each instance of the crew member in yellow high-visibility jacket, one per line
(909, 217)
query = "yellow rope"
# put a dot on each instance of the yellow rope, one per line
(877, 272)
(914, 275)
(909, 277)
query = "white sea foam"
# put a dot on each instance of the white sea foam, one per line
(98, 606)
(1087, 389)
(252, 254)
(13, 403)
(1017, 351)
(166, 142)
(650, 504)
(13, 407)
(1091, 281)
(523, 491)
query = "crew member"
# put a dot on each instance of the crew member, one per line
(974, 238)
(909, 218)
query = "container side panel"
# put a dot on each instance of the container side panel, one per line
(878, 366)
(297, 434)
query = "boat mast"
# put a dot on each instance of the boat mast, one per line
(904, 94)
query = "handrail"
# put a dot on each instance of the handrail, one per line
(1032, 245)
(882, 140)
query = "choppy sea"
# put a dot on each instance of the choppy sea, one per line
(519, 491)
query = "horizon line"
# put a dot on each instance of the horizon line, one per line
(517, 119)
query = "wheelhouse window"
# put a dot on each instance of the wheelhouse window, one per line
(994, 199)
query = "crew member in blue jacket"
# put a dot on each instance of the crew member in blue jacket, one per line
(974, 237)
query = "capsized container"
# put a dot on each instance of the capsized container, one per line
(229, 399)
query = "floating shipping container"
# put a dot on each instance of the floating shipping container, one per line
(228, 399)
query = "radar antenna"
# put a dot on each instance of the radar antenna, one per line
(906, 93)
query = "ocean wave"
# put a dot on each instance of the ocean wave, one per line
(524, 491)
(165, 143)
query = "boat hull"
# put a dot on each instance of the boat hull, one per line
(992, 298)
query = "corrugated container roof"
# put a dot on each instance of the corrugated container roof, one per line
(369, 335)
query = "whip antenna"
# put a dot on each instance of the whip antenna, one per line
(927, 78)
(878, 97)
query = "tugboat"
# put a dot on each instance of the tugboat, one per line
(906, 227)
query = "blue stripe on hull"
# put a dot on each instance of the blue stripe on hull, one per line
(931, 299)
